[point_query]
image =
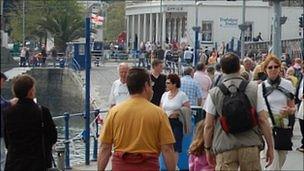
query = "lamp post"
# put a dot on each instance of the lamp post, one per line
(243, 27)
(87, 84)
(196, 30)
(277, 28)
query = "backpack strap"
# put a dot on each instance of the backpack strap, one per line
(243, 85)
(267, 103)
(224, 89)
(286, 92)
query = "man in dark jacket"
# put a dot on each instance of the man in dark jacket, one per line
(4, 105)
(29, 131)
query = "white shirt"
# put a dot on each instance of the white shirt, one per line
(170, 105)
(300, 112)
(119, 92)
(276, 99)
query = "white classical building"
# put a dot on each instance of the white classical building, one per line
(173, 20)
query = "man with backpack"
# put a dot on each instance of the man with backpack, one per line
(234, 125)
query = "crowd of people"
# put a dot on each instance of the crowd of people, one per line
(250, 110)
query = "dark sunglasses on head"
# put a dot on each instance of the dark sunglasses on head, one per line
(275, 67)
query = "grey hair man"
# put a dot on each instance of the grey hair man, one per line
(119, 91)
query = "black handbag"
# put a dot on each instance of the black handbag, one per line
(282, 136)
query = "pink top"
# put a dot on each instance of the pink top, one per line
(204, 81)
(199, 163)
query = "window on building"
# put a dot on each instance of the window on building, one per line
(248, 33)
(207, 31)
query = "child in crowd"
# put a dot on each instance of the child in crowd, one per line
(197, 156)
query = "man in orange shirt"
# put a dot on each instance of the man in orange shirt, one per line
(138, 130)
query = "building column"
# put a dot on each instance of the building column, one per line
(174, 29)
(145, 28)
(163, 38)
(128, 30)
(180, 28)
(157, 28)
(133, 31)
(151, 26)
(138, 31)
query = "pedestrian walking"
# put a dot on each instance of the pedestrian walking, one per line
(277, 94)
(119, 91)
(234, 122)
(29, 131)
(4, 105)
(197, 155)
(191, 87)
(172, 102)
(158, 81)
(22, 57)
(300, 112)
(128, 130)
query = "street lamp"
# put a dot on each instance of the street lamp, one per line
(196, 30)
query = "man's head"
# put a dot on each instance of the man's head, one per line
(230, 63)
(139, 82)
(123, 69)
(24, 87)
(157, 66)
(200, 66)
(189, 71)
(3, 79)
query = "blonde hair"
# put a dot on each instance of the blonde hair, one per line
(197, 145)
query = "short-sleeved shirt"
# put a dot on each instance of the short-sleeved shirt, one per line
(171, 105)
(137, 126)
(192, 89)
(119, 93)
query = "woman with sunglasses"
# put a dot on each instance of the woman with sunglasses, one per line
(172, 101)
(279, 93)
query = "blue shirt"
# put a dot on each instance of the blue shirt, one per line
(4, 104)
(191, 88)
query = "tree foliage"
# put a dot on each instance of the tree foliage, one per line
(115, 20)
(62, 19)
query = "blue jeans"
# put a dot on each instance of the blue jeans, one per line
(3, 153)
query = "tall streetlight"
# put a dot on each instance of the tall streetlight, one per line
(243, 27)
(196, 30)
(23, 23)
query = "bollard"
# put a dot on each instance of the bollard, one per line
(94, 158)
(67, 141)
(60, 157)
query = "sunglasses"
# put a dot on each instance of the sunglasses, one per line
(271, 67)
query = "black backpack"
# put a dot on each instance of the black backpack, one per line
(238, 115)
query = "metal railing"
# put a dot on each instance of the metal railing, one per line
(67, 140)
(63, 153)
(76, 66)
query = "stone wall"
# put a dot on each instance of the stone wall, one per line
(58, 89)
(7, 62)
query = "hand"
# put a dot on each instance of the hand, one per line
(210, 158)
(14, 101)
(269, 157)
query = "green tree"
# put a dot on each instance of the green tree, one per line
(115, 20)
(64, 20)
